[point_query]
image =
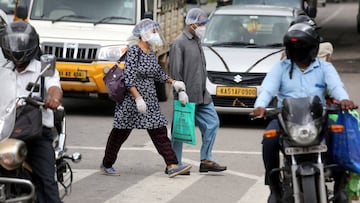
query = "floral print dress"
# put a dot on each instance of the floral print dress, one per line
(141, 71)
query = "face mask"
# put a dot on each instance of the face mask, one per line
(200, 31)
(155, 40)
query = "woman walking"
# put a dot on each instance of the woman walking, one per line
(140, 108)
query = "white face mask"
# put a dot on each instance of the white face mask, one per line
(200, 31)
(155, 40)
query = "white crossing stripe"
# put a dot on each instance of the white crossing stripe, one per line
(153, 149)
(156, 188)
(79, 174)
(256, 193)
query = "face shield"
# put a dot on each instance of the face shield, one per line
(154, 36)
(150, 32)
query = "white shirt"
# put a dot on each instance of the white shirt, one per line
(29, 75)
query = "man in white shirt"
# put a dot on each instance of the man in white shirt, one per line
(20, 44)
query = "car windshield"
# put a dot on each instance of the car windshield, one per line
(246, 30)
(287, 3)
(89, 11)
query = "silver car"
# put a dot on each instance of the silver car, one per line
(241, 45)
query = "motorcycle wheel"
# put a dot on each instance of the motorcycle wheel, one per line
(309, 189)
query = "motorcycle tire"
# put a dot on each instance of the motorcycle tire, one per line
(309, 189)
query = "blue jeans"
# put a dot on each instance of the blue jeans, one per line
(207, 120)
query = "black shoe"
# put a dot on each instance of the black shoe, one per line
(211, 166)
(187, 173)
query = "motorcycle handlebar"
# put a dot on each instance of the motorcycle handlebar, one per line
(335, 108)
(269, 113)
(273, 112)
(36, 103)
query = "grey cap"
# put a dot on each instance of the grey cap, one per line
(196, 15)
(143, 26)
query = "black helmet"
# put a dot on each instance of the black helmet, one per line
(20, 42)
(304, 19)
(302, 43)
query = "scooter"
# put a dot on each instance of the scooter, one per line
(305, 175)
(15, 181)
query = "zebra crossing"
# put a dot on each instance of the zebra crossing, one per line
(157, 187)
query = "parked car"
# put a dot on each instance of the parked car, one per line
(241, 45)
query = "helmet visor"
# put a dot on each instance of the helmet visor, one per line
(18, 42)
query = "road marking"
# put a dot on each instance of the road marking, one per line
(231, 172)
(159, 189)
(79, 174)
(333, 15)
(256, 193)
(153, 149)
(156, 188)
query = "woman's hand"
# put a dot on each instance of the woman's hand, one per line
(140, 105)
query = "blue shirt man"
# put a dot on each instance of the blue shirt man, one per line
(319, 79)
(300, 75)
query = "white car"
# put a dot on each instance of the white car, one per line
(241, 45)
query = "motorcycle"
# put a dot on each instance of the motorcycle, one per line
(15, 181)
(305, 175)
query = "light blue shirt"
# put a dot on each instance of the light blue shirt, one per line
(319, 79)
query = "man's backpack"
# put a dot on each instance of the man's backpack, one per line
(115, 80)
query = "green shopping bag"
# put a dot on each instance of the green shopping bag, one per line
(183, 126)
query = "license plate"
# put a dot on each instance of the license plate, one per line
(236, 91)
(73, 74)
(305, 150)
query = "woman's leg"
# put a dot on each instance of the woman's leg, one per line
(116, 138)
(163, 145)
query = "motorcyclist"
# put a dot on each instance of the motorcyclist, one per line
(20, 43)
(301, 74)
(325, 48)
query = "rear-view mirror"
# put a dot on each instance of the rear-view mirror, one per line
(47, 65)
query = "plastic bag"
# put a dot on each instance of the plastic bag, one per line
(346, 144)
(183, 127)
(353, 186)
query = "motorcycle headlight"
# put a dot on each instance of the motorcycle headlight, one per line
(12, 153)
(303, 134)
(111, 53)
